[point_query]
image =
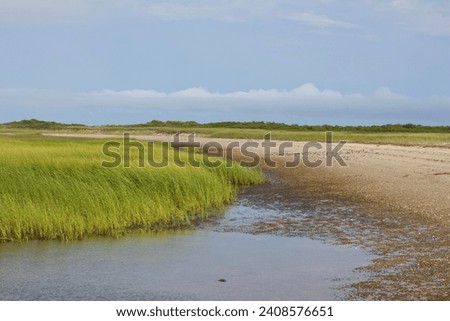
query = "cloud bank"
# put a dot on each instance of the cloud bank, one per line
(422, 16)
(304, 104)
(431, 17)
(88, 11)
(50, 11)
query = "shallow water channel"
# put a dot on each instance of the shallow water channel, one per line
(223, 259)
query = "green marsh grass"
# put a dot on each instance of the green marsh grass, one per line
(54, 188)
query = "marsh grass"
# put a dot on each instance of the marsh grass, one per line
(57, 189)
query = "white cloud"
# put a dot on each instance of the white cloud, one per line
(320, 21)
(50, 11)
(57, 11)
(240, 10)
(135, 93)
(192, 93)
(428, 17)
(295, 105)
(184, 11)
(386, 93)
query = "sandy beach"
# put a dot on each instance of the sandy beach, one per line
(406, 179)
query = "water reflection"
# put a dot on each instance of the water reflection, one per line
(177, 266)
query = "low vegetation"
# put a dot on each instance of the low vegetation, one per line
(272, 126)
(390, 133)
(55, 188)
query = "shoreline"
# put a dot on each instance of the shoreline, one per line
(408, 180)
(411, 180)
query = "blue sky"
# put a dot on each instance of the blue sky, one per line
(307, 62)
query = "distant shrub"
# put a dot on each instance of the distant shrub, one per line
(388, 128)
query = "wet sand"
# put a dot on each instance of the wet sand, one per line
(413, 251)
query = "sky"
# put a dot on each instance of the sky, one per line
(338, 62)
